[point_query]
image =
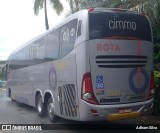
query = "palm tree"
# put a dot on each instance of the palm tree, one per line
(40, 4)
(73, 6)
(152, 8)
(76, 5)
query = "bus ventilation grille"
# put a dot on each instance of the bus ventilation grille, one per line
(121, 61)
(67, 102)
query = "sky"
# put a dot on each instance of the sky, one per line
(18, 24)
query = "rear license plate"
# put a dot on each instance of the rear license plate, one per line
(124, 110)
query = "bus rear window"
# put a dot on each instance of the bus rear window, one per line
(107, 24)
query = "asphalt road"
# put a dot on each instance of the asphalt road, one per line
(17, 113)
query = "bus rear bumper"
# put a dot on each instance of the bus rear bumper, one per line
(90, 112)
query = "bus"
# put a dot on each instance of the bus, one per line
(95, 65)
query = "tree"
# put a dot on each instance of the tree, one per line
(40, 4)
(93, 3)
(152, 9)
(73, 6)
(2, 63)
(76, 5)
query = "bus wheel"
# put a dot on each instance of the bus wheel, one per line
(50, 110)
(10, 95)
(39, 105)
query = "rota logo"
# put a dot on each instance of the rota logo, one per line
(108, 47)
(53, 77)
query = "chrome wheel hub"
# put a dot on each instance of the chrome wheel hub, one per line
(51, 109)
(39, 106)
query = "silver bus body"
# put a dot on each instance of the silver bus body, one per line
(101, 69)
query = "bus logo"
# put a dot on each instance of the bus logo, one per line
(136, 88)
(108, 47)
(52, 78)
(124, 25)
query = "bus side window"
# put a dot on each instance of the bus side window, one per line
(53, 45)
(79, 31)
(18, 60)
(68, 36)
(40, 52)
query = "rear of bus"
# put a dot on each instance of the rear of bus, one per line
(119, 83)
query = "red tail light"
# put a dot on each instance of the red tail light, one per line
(151, 91)
(90, 9)
(87, 93)
(142, 13)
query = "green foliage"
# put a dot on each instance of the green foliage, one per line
(38, 4)
(57, 6)
(41, 4)
(156, 107)
(157, 53)
(156, 37)
(73, 6)
(76, 5)
(2, 63)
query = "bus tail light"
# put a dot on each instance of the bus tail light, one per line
(151, 89)
(94, 112)
(90, 9)
(142, 13)
(87, 93)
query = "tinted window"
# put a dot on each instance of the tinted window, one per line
(41, 49)
(18, 60)
(107, 24)
(79, 28)
(37, 52)
(53, 45)
(20, 55)
(32, 49)
(68, 35)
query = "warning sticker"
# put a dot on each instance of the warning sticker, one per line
(99, 79)
(99, 85)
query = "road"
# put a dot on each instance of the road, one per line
(17, 113)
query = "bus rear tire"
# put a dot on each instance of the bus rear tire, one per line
(10, 95)
(50, 110)
(39, 106)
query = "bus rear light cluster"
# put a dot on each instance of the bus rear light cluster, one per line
(87, 93)
(94, 112)
(90, 9)
(143, 13)
(151, 91)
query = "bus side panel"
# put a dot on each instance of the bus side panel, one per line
(82, 61)
(20, 85)
(65, 94)
(39, 80)
(59, 79)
